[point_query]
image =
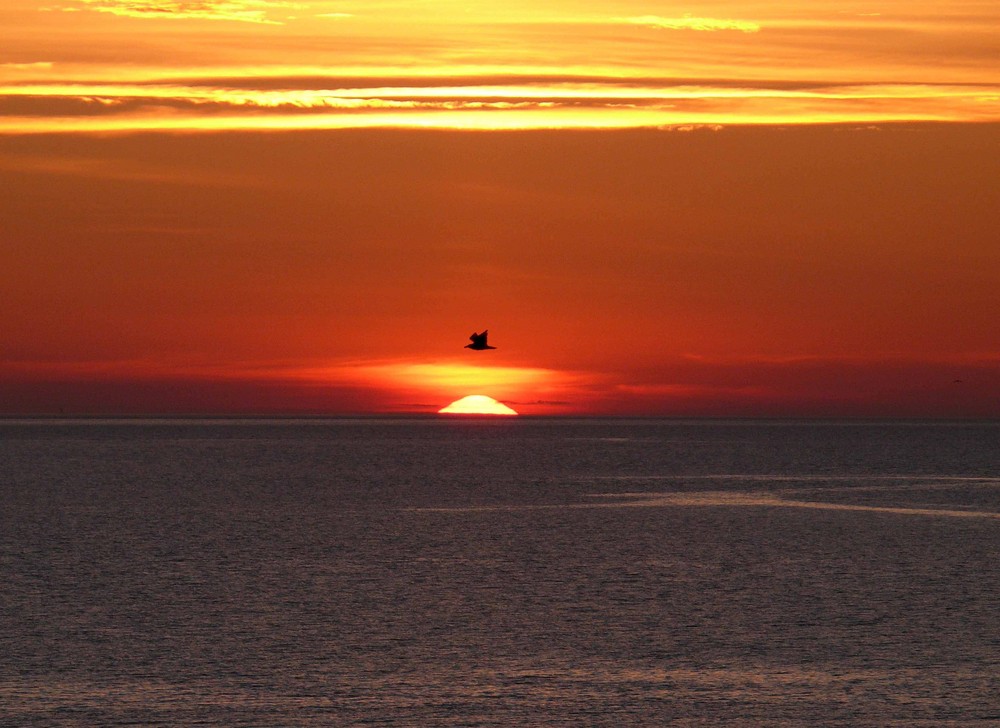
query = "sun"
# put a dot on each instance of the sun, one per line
(477, 404)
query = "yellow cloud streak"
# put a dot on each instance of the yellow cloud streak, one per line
(456, 376)
(247, 11)
(128, 107)
(688, 22)
(559, 91)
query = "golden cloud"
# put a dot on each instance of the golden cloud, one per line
(247, 11)
(689, 22)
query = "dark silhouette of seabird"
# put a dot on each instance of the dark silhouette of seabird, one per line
(479, 341)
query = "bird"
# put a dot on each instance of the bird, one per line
(479, 341)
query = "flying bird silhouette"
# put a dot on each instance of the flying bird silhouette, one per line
(479, 341)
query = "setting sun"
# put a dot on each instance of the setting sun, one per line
(477, 404)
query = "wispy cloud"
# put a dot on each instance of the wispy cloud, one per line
(332, 64)
(247, 11)
(688, 22)
(32, 66)
(505, 102)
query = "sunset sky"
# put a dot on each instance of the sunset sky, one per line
(306, 206)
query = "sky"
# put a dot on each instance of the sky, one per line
(683, 209)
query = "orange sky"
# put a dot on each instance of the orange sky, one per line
(714, 208)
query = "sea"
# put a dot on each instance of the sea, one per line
(520, 571)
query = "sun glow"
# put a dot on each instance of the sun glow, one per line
(452, 379)
(477, 404)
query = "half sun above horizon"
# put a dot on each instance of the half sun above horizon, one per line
(476, 404)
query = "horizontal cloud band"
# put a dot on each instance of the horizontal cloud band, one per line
(503, 103)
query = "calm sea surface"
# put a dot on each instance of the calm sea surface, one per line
(520, 572)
